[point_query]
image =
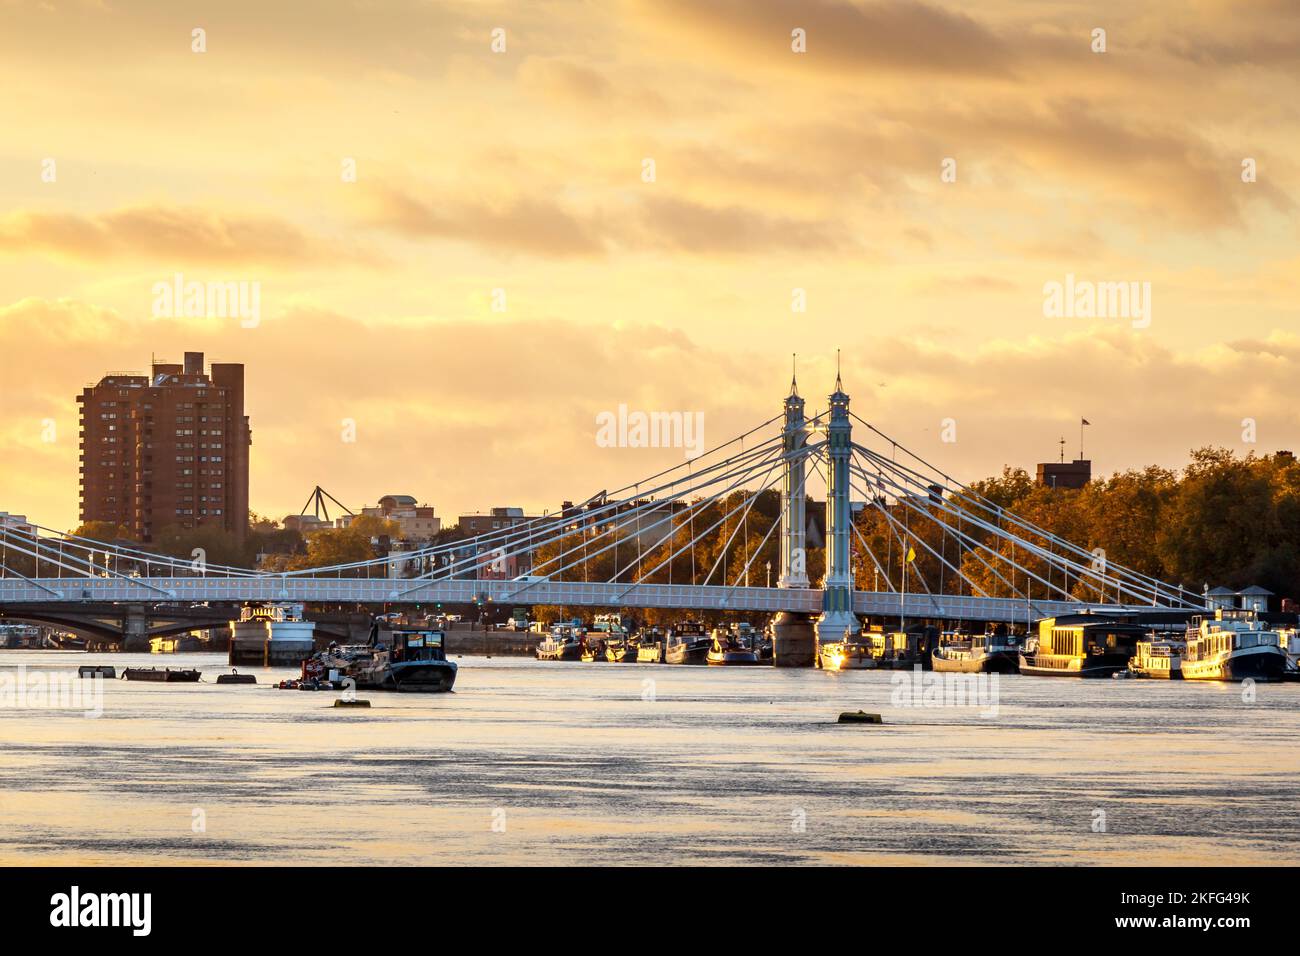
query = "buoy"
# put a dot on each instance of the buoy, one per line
(351, 703)
(860, 717)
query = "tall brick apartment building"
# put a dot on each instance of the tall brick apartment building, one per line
(167, 449)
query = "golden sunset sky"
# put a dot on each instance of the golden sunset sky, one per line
(522, 171)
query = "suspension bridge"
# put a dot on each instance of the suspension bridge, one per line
(929, 546)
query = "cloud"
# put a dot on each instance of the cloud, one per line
(856, 38)
(170, 234)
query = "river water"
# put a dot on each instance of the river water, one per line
(534, 762)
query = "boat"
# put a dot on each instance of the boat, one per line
(993, 652)
(593, 649)
(1080, 645)
(1289, 638)
(163, 674)
(903, 650)
(688, 643)
(398, 656)
(1159, 656)
(729, 647)
(621, 649)
(270, 634)
(854, 653)
(1233, 645)
(97, 670)
(650, 646)
(564, 643)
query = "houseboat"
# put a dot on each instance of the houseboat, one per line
(564, 643)
(1081, 645)
(398, 656)
(1233, 645)
(270, 634)
(688, 643)
(993, 652)
(1159, 656)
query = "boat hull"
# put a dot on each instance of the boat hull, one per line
(163, 676)
(686, 654)
(732, 658)
(566, 652)
(422, 677)
(1255, 663)
(1103, 665)
(998, 662)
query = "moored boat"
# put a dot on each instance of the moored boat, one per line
(1233, 646)
(730, 647)
(902, 650)
(564, 643)
(650, 646)
(161, 674)
(993, 652)
(688, 643)
(855, 652)
(401, 657)
(1159, 656)
(1080, 645)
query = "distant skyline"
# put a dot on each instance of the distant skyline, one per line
(501, 274)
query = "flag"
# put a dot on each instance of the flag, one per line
(911, 555)
(1084, 421)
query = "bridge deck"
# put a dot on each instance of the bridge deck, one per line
(576, 594)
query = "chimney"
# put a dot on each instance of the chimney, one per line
(193, 363)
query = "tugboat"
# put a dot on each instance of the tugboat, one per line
(402, 657)
(687, 644)
(854, 653)
(564, 643)
(1159, 656)
(993, 652)
(1081, 645)
(730, 647)
(650, 646)
(1233, 645)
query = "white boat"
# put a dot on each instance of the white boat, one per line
(1159, 656)
(1233, 645)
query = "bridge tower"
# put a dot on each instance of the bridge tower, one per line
(837, 590)
(793, 640)
(794, 565)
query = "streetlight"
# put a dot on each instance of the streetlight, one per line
(769, 573)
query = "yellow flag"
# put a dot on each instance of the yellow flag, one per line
(911, 555)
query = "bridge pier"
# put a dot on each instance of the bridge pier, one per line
(793, 640)
(135, 630)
